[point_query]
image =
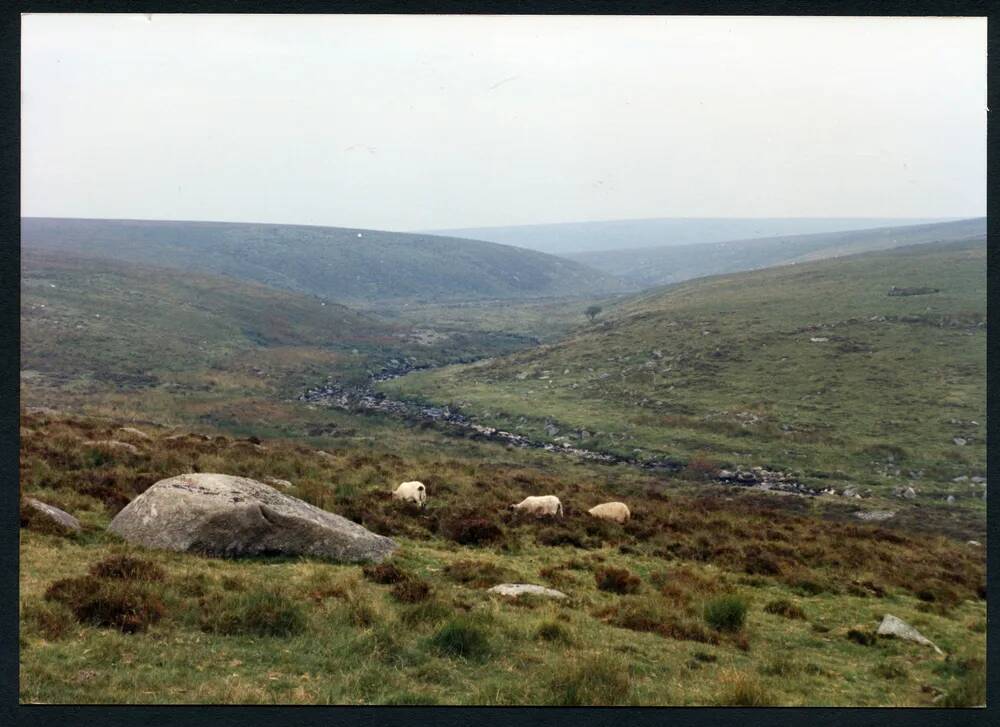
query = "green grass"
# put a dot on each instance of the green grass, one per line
(724, 369)
(333, 634)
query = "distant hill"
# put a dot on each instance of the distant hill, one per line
(651, 266)
(813, 368)
(132, 325)
(578, 237)
(349, 265)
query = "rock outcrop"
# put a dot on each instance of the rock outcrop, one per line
(216, 514)
(57, 516)
(519, 589)
(894, 626)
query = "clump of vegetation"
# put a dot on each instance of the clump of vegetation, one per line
(50, 620)
(784, 607)
(891, 669)
(471, 530)
(476, 573)
(553, 631)
(700, 467)
(601, 680)
(743, 690)
(384, 573)
(411, 590)
(128, 568)
(726, 613)
(463, 638)
(865, 637)
(617, 580)
(256, 612)
(970, 691)
(653, 616)
(108, 603)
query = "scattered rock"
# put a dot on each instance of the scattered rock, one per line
(977, 479)
(551, 429)
(726, 475)
(875, 515)
(217, 514)
(518, 589)
(907, 493)
(113, 444)
(963, 478)
(60, 517)
(819, 339)
(893, 626)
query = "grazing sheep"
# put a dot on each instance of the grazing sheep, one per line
(614, 511)
(414, 492)
(537, 506)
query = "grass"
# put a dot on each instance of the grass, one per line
(336, 634)
(726, 613)
(722, 372)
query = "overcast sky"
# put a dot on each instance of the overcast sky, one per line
(422, 122)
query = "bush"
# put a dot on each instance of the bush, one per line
(127, 568)
(471, 531)
(51, 620)
(384, 573)
(616, 580)
(638, 614)
(463, 638)
(596, 681)
(784, 607)
(256, 613)
(726, 613)
(116, 604)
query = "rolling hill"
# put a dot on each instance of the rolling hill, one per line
(651, 266)
(570, 238)
(810, 368)
(349, 265)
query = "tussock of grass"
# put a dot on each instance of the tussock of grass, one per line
(256, 612)
(601, 680)
(784, 607)
(108, 603)
(726, 613)
(464, 638)
(127, 567)
(738, 689)
(616, 580)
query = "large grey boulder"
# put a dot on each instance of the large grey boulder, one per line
(216, 514)
(60, 517)
(519, 589)
(893, 626)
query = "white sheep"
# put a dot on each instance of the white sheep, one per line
(539, 505)
(615, 511)
(414, 492)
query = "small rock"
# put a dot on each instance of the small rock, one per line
(277, 483)
(963, 478)
(60, 517)
(113, 444)
(726, 475)
(950, 499)
(819, 339)
(893, 626)
(975, 543)
(517, 589)
(137, 433)
(876, 515)
(977, 479)
(324, 455)
(960, 441)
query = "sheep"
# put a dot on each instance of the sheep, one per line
(414, 492)
(615, 511)
(541, 505)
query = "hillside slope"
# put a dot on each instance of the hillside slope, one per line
(569, 238)
(812, 368)
(336, 263)
(651, 266)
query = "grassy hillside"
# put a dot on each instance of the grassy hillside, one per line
(812, 369)
(709, 596)
(569, 238)
(335, 263)
(651, 266)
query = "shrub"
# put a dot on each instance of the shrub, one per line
(784, 607)
(743, 690)
(463, 638)
(256, 613)
(471, 531)
(726, 613)
(758, 562)
(411, 590)
(127, 568)
(638, 614)
(616, 580)
(116, 604)
(596, 681)
(384, 573)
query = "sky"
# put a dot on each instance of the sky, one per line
(432, 122)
